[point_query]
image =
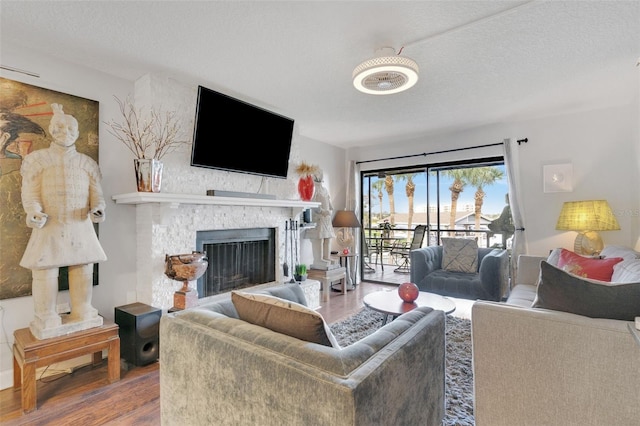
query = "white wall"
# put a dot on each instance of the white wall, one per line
(117, 279)
(602, 145)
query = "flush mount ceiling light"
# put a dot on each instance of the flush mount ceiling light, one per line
(385, 74)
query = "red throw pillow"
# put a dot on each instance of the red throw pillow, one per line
(587, 267)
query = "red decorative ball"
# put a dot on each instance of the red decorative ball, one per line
(408, 292)
(345, 251)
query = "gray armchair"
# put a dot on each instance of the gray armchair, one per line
(490, 282)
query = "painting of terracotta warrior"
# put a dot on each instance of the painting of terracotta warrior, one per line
(25, 114)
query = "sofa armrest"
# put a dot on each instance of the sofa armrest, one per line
(528, 270)
(494, 268)
(424, 261)
(537, 366)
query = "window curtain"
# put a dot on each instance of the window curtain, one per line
(351, 203)
(519, 244)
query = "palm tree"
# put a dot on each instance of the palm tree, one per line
(480, 177)
(410, 189)
(388, 186)
(460, 179)
(377, 186)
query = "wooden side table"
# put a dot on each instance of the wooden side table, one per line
(351, 268)
(30, 353)
(327, 277)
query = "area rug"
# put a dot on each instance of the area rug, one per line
(459, 373)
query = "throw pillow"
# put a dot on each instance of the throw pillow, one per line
(554, 256)
(459, 255)
(624, 252)
(587, 267)
(283, 316)
(561, 291)
(627, 271)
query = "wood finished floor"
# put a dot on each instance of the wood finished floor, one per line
(85, 398)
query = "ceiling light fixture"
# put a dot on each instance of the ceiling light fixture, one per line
(385, 74)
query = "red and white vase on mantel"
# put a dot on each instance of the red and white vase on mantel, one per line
(306, 184)
(306, 188)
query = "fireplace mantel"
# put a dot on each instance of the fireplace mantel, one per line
(174, 201)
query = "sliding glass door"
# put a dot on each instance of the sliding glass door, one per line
(461, 199)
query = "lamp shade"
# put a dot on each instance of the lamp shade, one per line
(345, 219)
(587, 217)
(593, 215)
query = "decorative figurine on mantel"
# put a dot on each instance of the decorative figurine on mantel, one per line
(62, 197)
(323, 233)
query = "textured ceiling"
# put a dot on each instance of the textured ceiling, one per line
(480, 62)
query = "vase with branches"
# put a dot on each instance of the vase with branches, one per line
(149, 137)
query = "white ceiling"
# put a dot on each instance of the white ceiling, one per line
(480, 62)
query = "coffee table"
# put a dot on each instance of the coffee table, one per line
(388, 302)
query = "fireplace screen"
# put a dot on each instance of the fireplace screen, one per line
(238, 258)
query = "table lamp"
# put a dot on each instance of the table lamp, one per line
(587, 217)
(345, 219)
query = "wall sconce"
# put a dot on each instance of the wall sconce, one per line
(345, 219)
(587, 217)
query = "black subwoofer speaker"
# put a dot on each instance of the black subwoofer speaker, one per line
(139, 333)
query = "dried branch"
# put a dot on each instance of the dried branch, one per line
(151, 138)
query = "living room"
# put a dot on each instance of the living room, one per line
(599, 136)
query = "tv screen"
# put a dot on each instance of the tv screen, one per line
(232, 135)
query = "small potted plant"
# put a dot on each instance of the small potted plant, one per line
(301, 272)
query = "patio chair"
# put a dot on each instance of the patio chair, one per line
(401, 250)
(366, 256)
(379, 247)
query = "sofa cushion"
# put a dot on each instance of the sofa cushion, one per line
(627, 271)
(561, 291)
(522, 295)
(587, 267)
(459, 255)
(627, 253)
(283, 316)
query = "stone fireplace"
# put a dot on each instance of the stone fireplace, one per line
(238, 258)
(169, 223)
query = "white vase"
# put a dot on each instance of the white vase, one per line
(148, 174)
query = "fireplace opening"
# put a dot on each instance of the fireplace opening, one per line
(238, 258)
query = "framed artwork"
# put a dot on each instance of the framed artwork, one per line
(25, 113)
(558, 177)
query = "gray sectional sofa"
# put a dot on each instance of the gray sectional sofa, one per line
(216, 369)
(535, 366)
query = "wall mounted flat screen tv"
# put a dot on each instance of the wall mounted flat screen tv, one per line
(233, 135)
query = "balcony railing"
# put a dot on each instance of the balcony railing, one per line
(484, 237)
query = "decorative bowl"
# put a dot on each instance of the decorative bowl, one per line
(185, 267)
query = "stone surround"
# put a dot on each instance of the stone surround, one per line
(170, 228)
(167, 224)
